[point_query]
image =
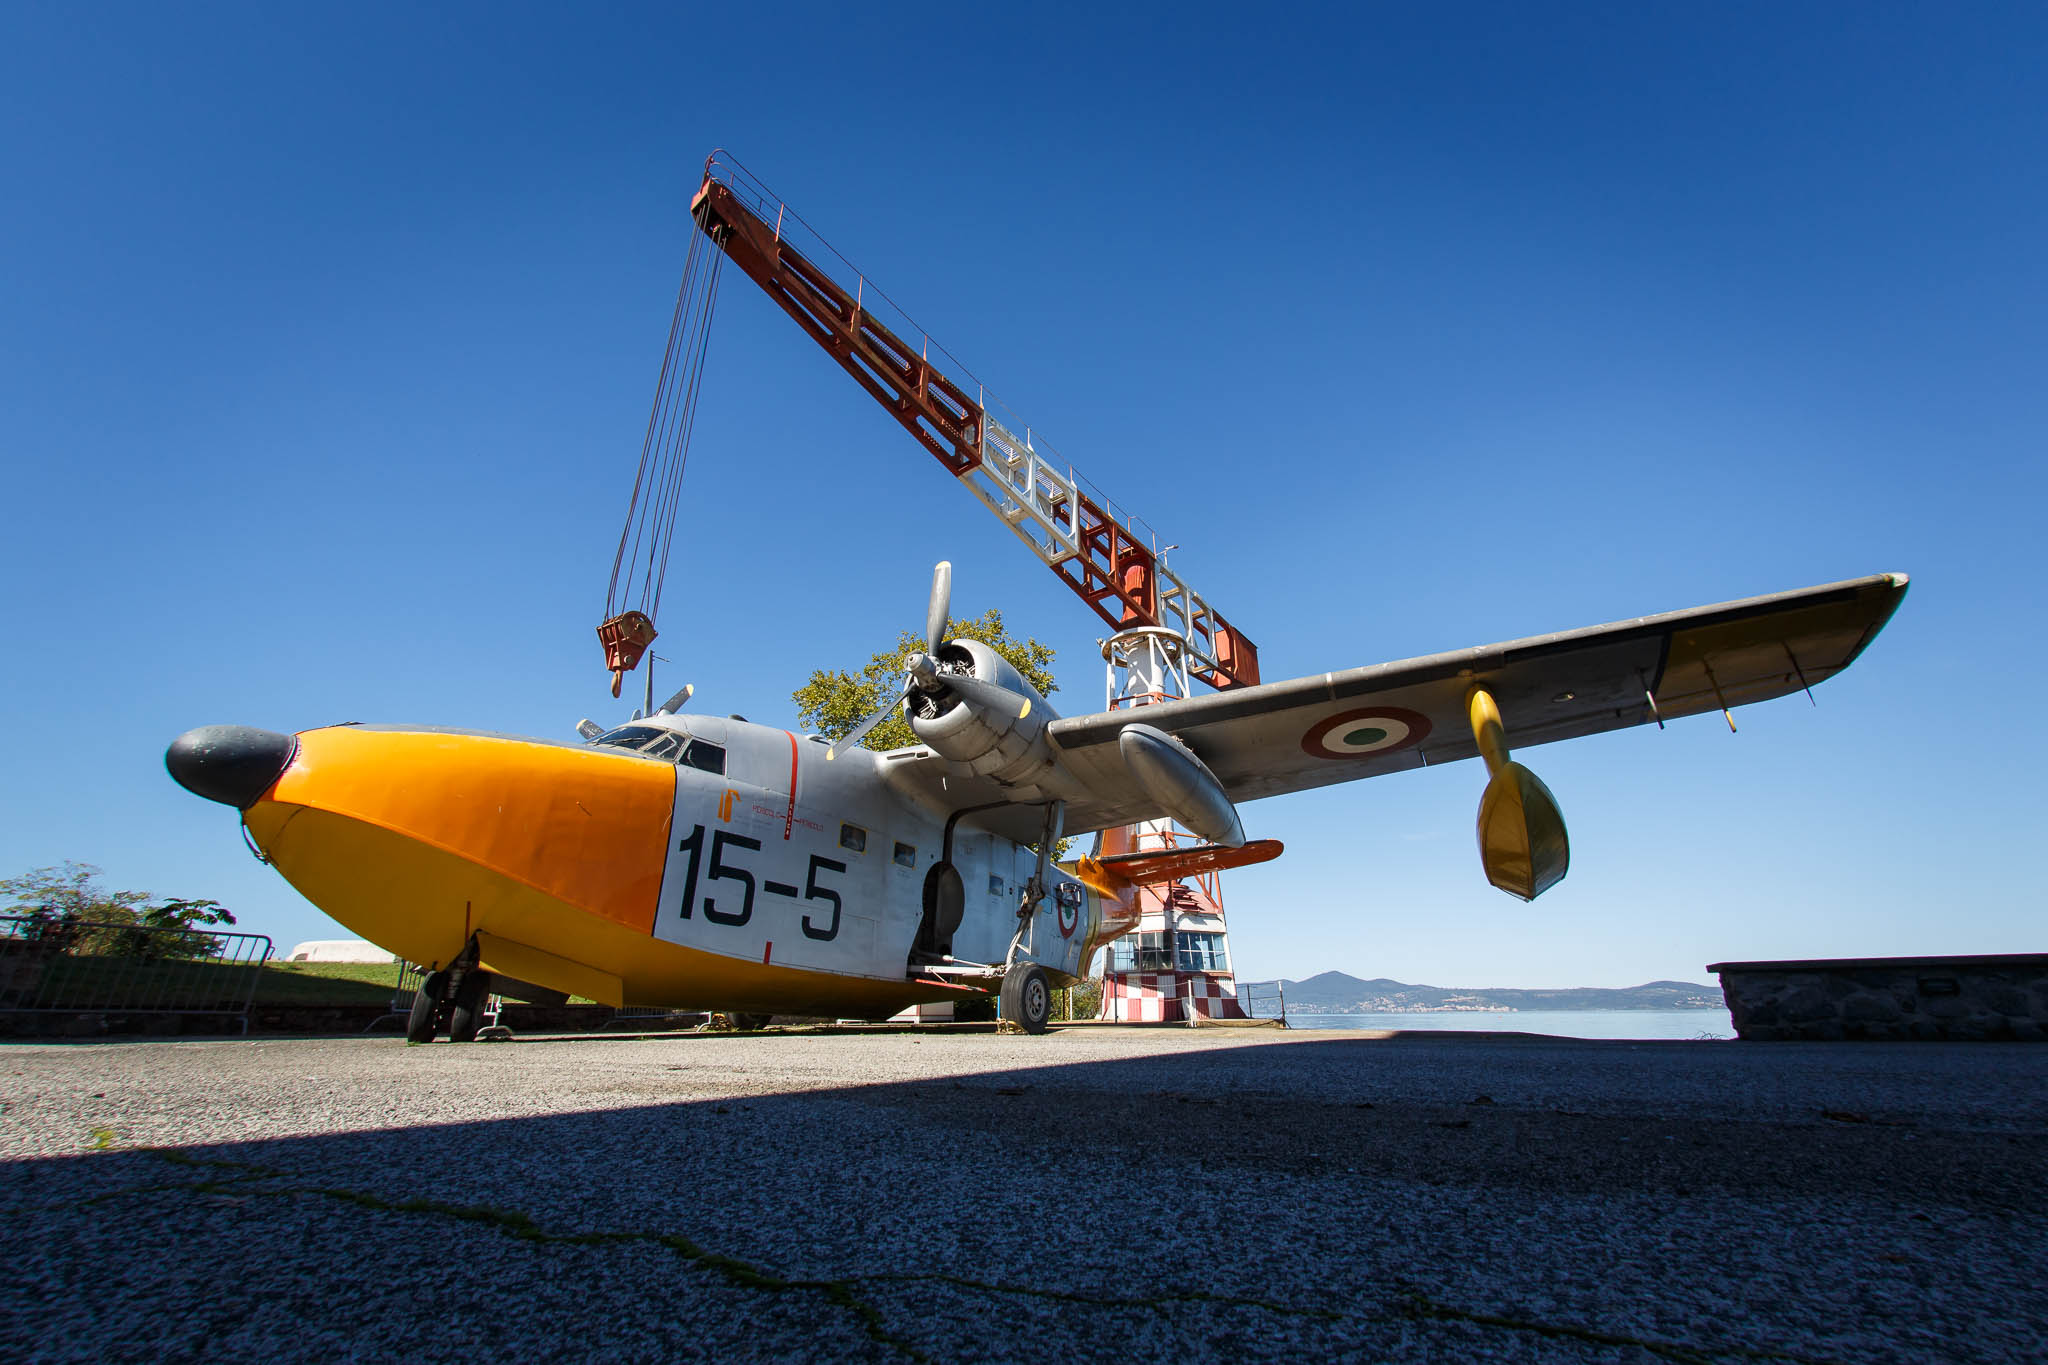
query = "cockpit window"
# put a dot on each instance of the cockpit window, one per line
(645, 738)
(656, 742)
(708, 757)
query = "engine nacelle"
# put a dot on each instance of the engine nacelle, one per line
(1001, 745)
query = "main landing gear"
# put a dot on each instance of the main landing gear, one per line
(1027, 997)
(455, 995)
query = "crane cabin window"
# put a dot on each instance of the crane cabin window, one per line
(1202, 952)
(1139, 953)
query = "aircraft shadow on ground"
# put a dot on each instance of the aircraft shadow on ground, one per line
(1336, 1194)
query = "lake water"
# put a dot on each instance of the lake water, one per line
(1560, 1023)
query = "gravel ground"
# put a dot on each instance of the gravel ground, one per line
(1128, 1193)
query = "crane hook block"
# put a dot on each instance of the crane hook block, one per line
(625, 638)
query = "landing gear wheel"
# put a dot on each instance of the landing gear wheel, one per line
(426, 1008)
(1027, 997)
(467, 1016)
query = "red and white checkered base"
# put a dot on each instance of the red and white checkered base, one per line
(1159, 997)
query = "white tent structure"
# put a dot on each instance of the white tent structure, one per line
(337, 950)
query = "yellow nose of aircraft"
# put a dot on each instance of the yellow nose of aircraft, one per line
(418, 839)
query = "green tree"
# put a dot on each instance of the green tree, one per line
(835, 701)
(66, 906)
(68, 909)
(165, 930)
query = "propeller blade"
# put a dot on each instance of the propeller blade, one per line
(938, 612)
(860, 732)
(987, 695)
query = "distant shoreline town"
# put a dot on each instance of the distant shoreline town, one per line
(1339, 993)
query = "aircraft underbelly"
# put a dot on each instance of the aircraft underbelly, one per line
(640, 881)
(423, 902)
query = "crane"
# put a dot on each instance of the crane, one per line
(1166, 635)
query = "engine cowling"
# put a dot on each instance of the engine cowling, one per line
(999, 744)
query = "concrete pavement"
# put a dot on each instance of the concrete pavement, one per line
(1110, 1193)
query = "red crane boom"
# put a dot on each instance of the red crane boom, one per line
(1101, 554)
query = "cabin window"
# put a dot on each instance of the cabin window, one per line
(853, 838)
(906, 856)
(995, 886)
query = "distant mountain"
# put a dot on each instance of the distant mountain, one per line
(1338, 993)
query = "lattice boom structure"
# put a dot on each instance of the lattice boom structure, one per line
(1109, 558)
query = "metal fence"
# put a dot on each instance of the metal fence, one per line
(52, 965)
(1264, 1000)
(406, 984)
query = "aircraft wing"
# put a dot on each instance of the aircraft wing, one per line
(1339, 727)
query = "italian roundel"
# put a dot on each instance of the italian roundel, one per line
(1070, 918)
(1361, 734)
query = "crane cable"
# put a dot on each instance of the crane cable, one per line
(648, 536)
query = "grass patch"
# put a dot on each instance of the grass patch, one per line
(327, 983)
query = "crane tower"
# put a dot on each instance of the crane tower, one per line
(1165, 635)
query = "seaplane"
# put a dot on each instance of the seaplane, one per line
(714, 863)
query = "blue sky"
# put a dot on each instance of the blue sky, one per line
(327, 335)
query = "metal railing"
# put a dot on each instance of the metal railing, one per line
(49, 964)
(1265, 1000)
(404, 987)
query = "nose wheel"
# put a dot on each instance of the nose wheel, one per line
(422, 1023)
(466, 1007)
(455, 997)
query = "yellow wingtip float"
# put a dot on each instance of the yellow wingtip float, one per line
(1522, 840)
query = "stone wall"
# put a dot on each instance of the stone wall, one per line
(322, 1019)
(1973, 999)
